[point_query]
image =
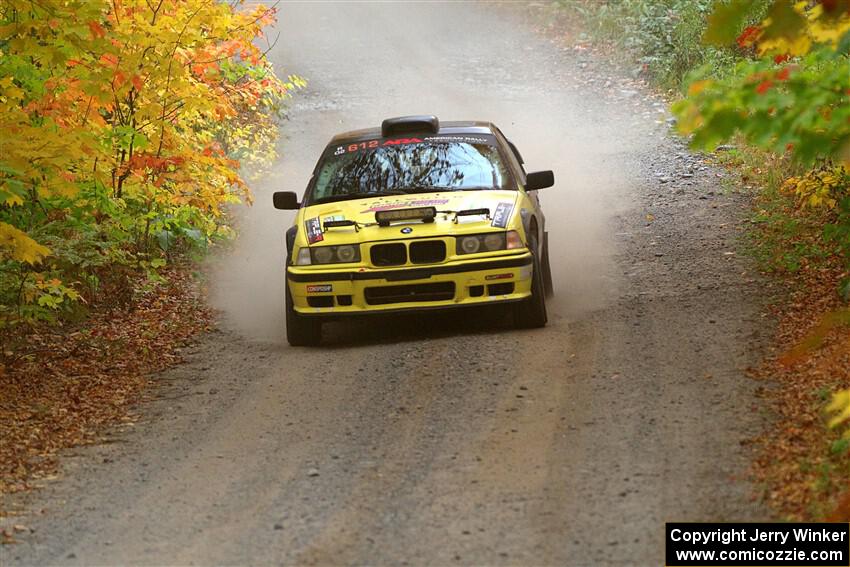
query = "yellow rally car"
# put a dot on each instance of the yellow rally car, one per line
(416, 215)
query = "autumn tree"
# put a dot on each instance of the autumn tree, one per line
(123, 129)
(790, 93)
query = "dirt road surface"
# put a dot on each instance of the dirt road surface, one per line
(446, 439)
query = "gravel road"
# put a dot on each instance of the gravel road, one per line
(438, 439)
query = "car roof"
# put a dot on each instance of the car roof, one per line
(455, 127)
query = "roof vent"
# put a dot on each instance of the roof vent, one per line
(410, 124)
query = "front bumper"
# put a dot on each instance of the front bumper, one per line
(329, 291)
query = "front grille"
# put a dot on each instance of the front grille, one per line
(500, 288)
(427, 252)
(388, 254)
(442, 291)
(321, 301)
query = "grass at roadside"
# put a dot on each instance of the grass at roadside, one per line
(782, 240)
(661, 37)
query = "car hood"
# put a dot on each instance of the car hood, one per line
(501, 204)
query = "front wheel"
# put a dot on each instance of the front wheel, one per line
(531, 313)
(300, 330)
(548, 287)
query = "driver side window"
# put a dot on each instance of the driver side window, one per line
(514, 158)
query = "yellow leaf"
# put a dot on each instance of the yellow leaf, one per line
(19, 246)
(840, 404)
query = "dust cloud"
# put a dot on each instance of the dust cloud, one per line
(476, 63)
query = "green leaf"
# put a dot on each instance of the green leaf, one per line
(844, 44)
(844, 290)
(164, 238)
(785, 21)
(726, 22)
(840, 446)
(718, 128)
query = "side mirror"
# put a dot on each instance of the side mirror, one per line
(286, 201)
(539, 180)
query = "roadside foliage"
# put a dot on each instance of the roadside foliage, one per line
(768, 83)
(663, 35)
(126, 127)
(790, 96)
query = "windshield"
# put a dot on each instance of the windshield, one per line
(409, 165)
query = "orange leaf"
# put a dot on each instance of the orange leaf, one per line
(764, 86)
(96, 30)
(137, 81)
(748, 36)
(108, 59)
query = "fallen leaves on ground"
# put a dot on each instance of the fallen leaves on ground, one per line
(65, 384)
(803, 467)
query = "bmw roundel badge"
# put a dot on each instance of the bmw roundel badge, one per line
(406, 230)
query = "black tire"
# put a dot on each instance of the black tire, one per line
(531, 313)
(300, 330)
(548, 287)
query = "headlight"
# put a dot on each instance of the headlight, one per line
(468, 245)
(346, 253)
(335, 254)
(494, 241)
(488, 242)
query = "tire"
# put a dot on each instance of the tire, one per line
(300, 330)
(548, 287)
(531, 313)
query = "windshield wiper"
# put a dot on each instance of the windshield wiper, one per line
(356, 195)
(429, 189)
(437, 189)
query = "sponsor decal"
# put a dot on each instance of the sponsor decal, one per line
(400, 141)
(499, 277)
(404, 204)
(372, 144)
(502, 214)
(333, 218)
(314, 230)
(462, 139)
(323, 288)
